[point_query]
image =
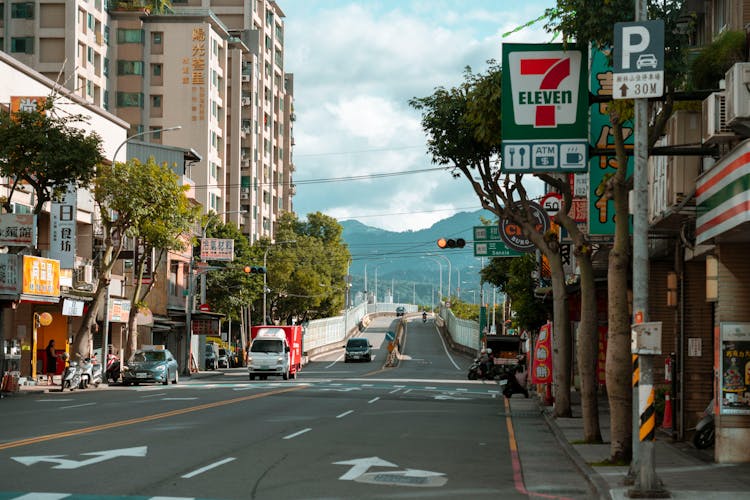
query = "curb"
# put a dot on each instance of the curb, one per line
(597, 482)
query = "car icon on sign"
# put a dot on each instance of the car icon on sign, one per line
(646, 61)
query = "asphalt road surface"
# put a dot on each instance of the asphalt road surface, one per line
(340, 431)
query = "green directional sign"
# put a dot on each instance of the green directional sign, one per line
(487, 233)
(494, 249)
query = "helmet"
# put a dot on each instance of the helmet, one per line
(489, 351)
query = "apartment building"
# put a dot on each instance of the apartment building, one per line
(131, 61)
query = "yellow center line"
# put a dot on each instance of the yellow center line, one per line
(132, 421)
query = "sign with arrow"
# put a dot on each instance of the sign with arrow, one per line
(639, 60)
(96, 457)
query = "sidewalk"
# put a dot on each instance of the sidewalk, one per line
(30, 388)
(686, 473)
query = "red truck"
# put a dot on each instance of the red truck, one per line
(275, 350)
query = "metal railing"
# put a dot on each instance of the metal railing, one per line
(464, 332)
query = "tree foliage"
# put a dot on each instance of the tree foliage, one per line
(513, 276)
(45, 149)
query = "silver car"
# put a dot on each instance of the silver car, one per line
(151, 365)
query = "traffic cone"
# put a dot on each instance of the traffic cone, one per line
(666, 422)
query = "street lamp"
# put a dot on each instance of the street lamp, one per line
(265, 275)
(449, 270)
(105, 329)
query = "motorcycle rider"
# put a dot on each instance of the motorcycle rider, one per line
(424, 316)
(485, 361)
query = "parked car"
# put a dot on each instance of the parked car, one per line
(400, 310)
(223, 360)
(357, 348)
(151, 364)
(211, 357)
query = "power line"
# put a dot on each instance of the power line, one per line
(310, 155)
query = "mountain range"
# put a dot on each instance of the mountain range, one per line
(410, 264)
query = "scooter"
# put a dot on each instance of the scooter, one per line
(424, 317)
(91, 374)
(510, 383)
(71, 377)
(705, 430)
(479, 371)
(113, 368)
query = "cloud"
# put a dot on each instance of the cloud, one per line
(356, 64)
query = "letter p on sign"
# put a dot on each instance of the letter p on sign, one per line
(635, 40)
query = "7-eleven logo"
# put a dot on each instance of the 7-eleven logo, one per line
(544, 87)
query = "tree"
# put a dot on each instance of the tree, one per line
(598, 30)
(163, 227)
(513, 276)
(47, 151)
(464, 130)
(139, 201)
(306, 278)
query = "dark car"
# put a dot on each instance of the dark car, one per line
(358, 349)
(400, 310)
(151, 364)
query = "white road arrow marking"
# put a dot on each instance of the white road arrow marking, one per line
(99, 456)
(361, 466)
(419, 473)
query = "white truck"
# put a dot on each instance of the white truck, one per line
(275, 350)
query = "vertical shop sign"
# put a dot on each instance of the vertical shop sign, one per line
(541, 370)
(41, 276)
(9, 273)
(601, 358)
(194, 73)
(601, 209)
(735, 369)
(62, 228)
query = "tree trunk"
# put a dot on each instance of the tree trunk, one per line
(619, 360)
(561, 339)
(587, 349)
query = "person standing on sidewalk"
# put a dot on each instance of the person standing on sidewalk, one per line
(51, 361)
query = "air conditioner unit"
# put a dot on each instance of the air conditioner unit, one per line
(738, 93)
(244, 195)
(246, 101)
(715, 128)
(245, 78)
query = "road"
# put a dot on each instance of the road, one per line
(341, 430)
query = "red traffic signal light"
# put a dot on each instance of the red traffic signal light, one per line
(451, 243)
(255, 269)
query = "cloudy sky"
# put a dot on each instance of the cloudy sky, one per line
(356, 64)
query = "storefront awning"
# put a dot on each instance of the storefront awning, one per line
(723, 198)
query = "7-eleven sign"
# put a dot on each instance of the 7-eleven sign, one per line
(544, 109)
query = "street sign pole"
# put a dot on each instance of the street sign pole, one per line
(646, 481)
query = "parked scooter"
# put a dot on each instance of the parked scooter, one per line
(71, 376)
(91, 373)
(510, 384)
(478, 370)
(705, 430)
(113, 368)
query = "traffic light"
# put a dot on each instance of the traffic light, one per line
(451, 243)
(255, 269)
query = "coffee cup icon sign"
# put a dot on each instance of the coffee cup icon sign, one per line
(573, 157)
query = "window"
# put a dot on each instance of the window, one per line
(174, 268)
(130, 36)
(129, 67)
(106, 67)
(90, 55)
(156, 135)
(156, 70)
(106, 100)
(90, 88)
(106, 34)
(91, 22)
(156, 101)
(156, 37)
(23, 45)
(22, 10)
(130, 100)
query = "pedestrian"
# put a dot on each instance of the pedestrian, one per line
(51, 362)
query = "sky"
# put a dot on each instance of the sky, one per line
(360, 151)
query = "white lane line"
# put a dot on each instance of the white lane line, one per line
(445, 348)
(407, 391)
(336, 360)
(373, 400)
(430, 387)
(394, 390)
(461, 389)
(152, 395)
(342, 415)
(290, 436)
(178, 399)
(207, 467)
(368, 385)
(77, 406)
